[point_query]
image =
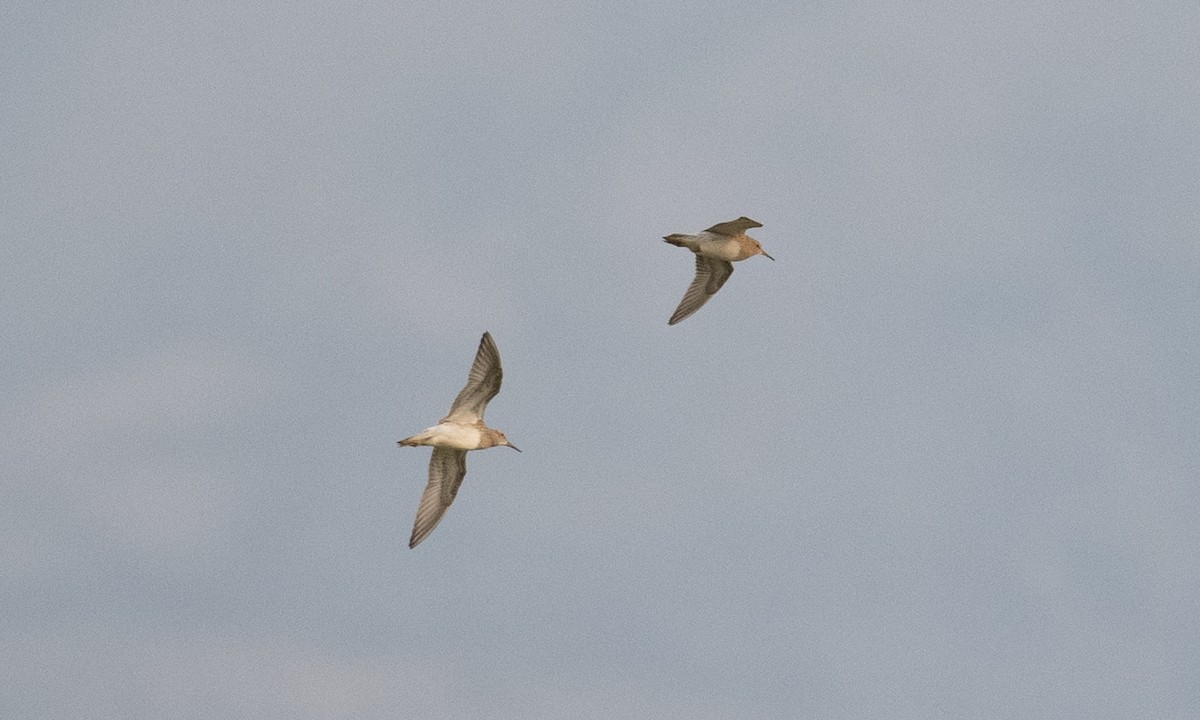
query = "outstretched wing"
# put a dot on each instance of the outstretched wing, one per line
(482, 384)
(446, 471)
(734, 227)
(711, 274)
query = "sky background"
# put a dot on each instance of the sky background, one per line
(940, 460)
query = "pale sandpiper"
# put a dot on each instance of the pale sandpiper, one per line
(456, 434)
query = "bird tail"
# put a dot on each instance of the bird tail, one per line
(414, 441)
(678, 240)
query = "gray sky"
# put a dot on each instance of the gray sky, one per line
(938, 460)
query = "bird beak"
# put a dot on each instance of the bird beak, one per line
(764, 252)
(514, 447)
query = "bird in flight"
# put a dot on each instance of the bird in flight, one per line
(716, 248)
(456, 434)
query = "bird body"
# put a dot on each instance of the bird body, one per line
(716, 249)
(461, 431)
(713, 245)
(455, 436)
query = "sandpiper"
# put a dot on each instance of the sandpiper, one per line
(456, 434)
(717, 248)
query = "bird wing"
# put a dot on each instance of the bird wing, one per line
(711, 274)
(482, 384)
(446, 471)
(734, 227)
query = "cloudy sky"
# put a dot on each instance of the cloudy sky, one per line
(938, 460)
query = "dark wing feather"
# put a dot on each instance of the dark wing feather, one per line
(482, 384)
(734, 227)
(711, 274)
(447, 468)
